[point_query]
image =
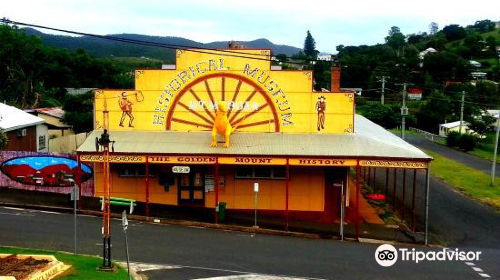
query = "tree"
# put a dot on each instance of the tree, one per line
(453, 139)
(282, 57)
(386, 115)
(487, 90)
(3, 140)
(482, 124)
(433, 28)
(446, 66)
(31, 71)
(467, 142)
(310, 46)
(435, 110)
(395, 39)
(454, 32)
(78, 112)
(484, 25)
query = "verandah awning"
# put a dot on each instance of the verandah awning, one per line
(371, 144)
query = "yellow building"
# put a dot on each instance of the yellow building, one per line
(297, 144)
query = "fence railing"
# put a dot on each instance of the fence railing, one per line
(431, 136)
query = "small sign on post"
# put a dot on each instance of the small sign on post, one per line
(181, 169)
(125, 227)
(75, 193)
(256, 191)
(124, 220)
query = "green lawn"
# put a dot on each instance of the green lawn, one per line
(407, 132)
(470, 181)
(83, 267)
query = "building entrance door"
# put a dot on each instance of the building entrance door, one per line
(191, 186)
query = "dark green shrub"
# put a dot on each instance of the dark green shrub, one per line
(467, 142)
(452, 140)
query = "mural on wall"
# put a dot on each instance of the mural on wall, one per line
(257, 97)
(43, 172)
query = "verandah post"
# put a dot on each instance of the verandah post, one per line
(216, 189)
(356, 222)
(403, 207)
(413, 200)
(287, 186)
(147, 186)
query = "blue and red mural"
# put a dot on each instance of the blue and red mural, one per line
(50, 172)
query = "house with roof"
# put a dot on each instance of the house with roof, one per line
(446, 128)
(24, 131)
(53, 118)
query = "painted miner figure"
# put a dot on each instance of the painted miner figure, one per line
(126, 107)
(320, 108)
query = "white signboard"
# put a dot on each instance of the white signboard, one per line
(256, 187)
(124, 220)
(181, 169)
(75, 193)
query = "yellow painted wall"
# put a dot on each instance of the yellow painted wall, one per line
(287, 93)
(134, 188)
(306, 191)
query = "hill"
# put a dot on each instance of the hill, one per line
(105, 48)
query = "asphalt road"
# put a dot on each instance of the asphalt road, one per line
(464, 158)
(454, 219)
(194, 253)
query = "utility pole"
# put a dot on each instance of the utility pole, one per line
(461, 112)
(404, 112)
(494, 164)
(383, 90)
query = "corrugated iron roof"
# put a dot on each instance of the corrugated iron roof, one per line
(12, 118)
(373, 141)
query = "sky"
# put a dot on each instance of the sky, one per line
(331, 23)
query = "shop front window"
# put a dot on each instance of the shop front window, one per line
(260, 172)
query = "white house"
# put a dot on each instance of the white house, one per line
(446, 128)
(24, 131)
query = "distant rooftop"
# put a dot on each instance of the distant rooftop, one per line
(12, 118)
(454, 124)
(56, 112)
(77, 91)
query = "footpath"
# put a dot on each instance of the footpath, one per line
(202, 217)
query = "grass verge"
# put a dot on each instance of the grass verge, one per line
(470, 181)
(82, 267)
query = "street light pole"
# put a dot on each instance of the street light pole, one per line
(493, 165)
(461, 112)
(404, 112)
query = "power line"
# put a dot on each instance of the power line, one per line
(161, 45)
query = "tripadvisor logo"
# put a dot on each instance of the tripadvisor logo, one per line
(386, 255)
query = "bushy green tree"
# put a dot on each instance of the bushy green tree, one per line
(435, 110)
(482, 124)
(310, 46)
(446, 66)
(454, 32)
(78, 112)
(386, 115)
(395, 39)
(467, 142)
(33, 74)
(453, 139)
